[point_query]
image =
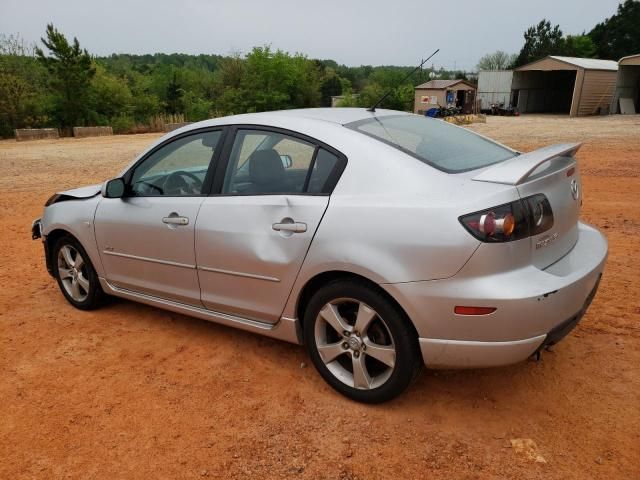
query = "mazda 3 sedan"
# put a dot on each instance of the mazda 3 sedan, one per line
(383, 241)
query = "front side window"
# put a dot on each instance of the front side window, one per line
(434, 142)
(263, 162)
(178, 168)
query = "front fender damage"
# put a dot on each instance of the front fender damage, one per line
(74, 194)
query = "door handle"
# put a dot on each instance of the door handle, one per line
(293, 227)
(174, 219)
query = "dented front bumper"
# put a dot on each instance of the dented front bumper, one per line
(36, 229)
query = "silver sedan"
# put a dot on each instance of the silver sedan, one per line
(383, 241)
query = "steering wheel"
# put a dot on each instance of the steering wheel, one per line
(176, 183)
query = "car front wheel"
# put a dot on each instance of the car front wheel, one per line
(75, 274)
(360, 342)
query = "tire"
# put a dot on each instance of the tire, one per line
(376, 356)
(79, 284)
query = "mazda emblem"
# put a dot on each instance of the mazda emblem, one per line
(575, 191)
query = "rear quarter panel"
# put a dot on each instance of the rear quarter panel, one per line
(394, 219)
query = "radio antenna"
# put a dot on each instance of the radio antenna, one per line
(373, 109)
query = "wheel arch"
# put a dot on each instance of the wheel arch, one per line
(319, 280)
(50, 241)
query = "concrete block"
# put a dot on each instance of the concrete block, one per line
(26, 134)
(81, 132)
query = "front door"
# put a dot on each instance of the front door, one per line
(252, 237)
(146, 239)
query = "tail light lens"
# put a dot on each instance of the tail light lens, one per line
(541, 215)
(511, 221)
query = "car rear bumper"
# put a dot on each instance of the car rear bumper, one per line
(534, 307)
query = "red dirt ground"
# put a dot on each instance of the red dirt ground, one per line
(130, 391)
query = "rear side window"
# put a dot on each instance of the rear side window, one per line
(268, 163)
(435, 142)
(325, 164)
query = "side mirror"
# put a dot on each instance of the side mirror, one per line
(286, 161)
(113, 188)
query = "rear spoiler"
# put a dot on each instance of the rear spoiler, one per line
(517, 169)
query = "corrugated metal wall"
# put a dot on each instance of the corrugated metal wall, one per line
(494, 86)
(627, 86)
(547, 64)
(597, 91)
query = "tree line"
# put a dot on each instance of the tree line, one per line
(59, 84)
(611, 39)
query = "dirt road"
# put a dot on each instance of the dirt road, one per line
(130, 391)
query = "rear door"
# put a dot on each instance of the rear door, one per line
(253, 234)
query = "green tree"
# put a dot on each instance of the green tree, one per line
(71, 70)
(539, 41)
(272, 80)
(331, 86)
(348, 100)
(232, 71)
(227, 90)
(22, 95)
(174, 96)
(145, 102)
(618, 36)
(267, 82)
(497, 60)
(580, 46)
(196, 108)
(304, 89)
(110, 97)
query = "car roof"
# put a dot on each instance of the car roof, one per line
(339, 116)
(320, 123)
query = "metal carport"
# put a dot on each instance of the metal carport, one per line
(627, 83)
(575, 86)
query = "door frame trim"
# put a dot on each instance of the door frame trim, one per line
(211, 170)
(222, 162)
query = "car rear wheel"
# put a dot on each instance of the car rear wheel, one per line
(360, 342)
(75, 274)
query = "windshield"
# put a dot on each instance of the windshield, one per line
(434, 142)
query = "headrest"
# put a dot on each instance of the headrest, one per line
(265, 167)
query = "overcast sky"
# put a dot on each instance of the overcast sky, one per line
(354, 32)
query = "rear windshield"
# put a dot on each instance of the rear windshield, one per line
(435, 142)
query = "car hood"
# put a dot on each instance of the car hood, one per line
(82, 192)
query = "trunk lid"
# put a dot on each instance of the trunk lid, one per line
(551, 171)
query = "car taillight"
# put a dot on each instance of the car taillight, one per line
(540, 213)
(511, 221)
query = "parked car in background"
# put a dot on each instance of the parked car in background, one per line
(383, 241)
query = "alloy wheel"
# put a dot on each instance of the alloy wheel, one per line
(73, 273)
(355, 343)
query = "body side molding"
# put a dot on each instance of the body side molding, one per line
(287, 329)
